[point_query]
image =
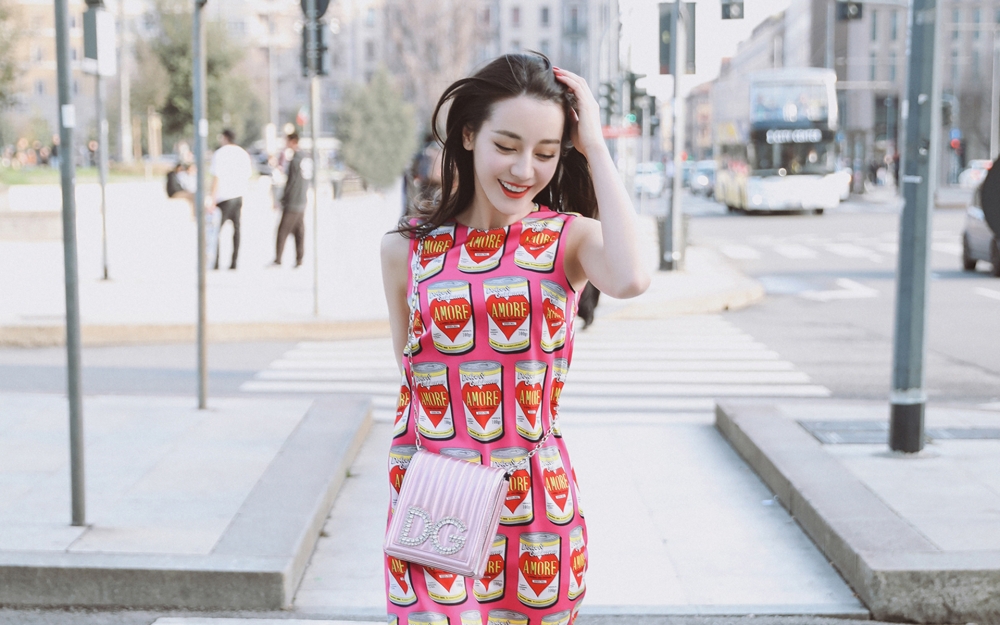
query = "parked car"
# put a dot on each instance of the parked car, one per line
(979, 242)
(703, 179)
(687, 170)
(649, 179)
(973, 175)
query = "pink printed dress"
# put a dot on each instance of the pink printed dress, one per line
(494, 342)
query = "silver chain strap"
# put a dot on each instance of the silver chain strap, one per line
(414, 303)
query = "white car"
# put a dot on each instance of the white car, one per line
(649, 179)
(973, 175)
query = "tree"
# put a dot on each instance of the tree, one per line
(10, 70)
(377, 130)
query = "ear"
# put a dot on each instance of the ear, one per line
(468, 138)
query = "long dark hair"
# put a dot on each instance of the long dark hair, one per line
(472, 100)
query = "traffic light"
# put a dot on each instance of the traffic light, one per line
(848, 10)
(634, 115)
(321, 6)
(95, 4)
(609, 101)
(322, 49)
(668, 30)
(732, 10)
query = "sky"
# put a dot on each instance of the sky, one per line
(715, 39)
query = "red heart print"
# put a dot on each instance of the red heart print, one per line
(483, 244)
(398, 570)
(435, 246)
(557, 486)
(396, 477)
(517, 492)
(554, 316)
(418, 325)
(557, 387)
(482, 401)
(444, 578)
(404, 403)
(578, 564)
(451, 316)
(435, 401)
(494, 569)
(508, 313)
(538, 572)
(535, 242)
(529, 398)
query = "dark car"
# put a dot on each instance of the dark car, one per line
(979, 242)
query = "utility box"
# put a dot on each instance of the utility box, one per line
(99, 46)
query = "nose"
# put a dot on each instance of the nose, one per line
(522, 168)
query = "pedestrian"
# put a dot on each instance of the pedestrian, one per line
(231, 170)
(293, 202)
(500, 261)
(181, 184)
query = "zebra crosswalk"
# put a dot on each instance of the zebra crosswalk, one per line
(680, 364)
(879, 248)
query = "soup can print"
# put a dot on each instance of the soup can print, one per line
(556, 618)
(434, 418)
(508, 313)
(469, 455)
(471, 617)
(576, 489)
(517, 507)
(538, 244)
(491, 587)
(402, 410)
(529, 379)
(560, 367)
(577, 562)
(435, 248)
(393, 620)
(450, 309)
(482, 250)
(399, 460)
(506, 617)
(413, 346)
(482, 398)
(553, 316)
(538, 569)
(444, 587)
(426, 618)
(558, 500)
(400, 587)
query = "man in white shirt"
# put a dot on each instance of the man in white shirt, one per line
(231, 170)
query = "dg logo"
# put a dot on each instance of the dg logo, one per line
(433, 531)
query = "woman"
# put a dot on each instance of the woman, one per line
(501, 263)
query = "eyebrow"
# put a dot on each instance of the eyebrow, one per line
(512, 135)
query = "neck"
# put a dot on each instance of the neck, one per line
(483, 216)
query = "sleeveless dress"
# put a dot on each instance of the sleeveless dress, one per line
(494, 333)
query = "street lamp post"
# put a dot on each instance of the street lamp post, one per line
(200, 135)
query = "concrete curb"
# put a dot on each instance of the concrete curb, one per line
(896, 571)
(257, 563)
(101, 335)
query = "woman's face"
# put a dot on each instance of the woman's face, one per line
(515, 153)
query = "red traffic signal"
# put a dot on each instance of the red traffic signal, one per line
(956, 144)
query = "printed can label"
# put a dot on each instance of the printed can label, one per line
(538, 569)
(426, 618)
(576, 489)
(399, 460)
(508, 313)
(577, 562)
(450, 307)
(436, 246)
(506, 617)
(538, 244)
(517, 506)
(402, 410)
(469, 455)
(444, 587)
(529, 378)
(482, 397)
(400, 587)
(434, 418)
(560, 368)
(413, 347)
(553, 315)
(558, 501)
(556, 618)
(471, 617)
(491, 587)
(393, 620)
(482, 250)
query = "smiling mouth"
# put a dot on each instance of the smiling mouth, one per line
(513, 191)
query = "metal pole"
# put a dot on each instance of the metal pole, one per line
(680, 66)
(200, 134)
(923, 137)
(830, 18)
(124, 89)
(995, 100)
(67, 167)
(102, 165)
(313, 65)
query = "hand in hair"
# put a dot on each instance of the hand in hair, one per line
(586, 126)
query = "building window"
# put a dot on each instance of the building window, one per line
(872, 65)
(954, 66)
(370, 17)
(39, 87)
(72, 20)
(977, 16)
(76, 88)
(894, 25)
(975, 62)
(874, 25)
(574, 19)
(72, 53)
(892, 66)
(545, 16)
(38, 54)
(515, 16)
(515, 45)
(486, 16)
(956, 17)
(369, 50)
(543, 46)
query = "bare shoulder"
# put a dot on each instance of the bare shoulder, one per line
(580, 230)
(395, 250)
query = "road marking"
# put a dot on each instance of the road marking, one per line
(951, 248)
(740, 252)
(990, 293)
(849, 289)
(850, 250)
(795, 251)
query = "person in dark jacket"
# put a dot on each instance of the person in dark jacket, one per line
(293, 203)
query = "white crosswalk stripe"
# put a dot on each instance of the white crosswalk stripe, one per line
(678, 365)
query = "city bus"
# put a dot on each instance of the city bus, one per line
(774, 140)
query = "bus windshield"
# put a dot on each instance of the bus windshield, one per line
(766, 159)
(788, 104)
